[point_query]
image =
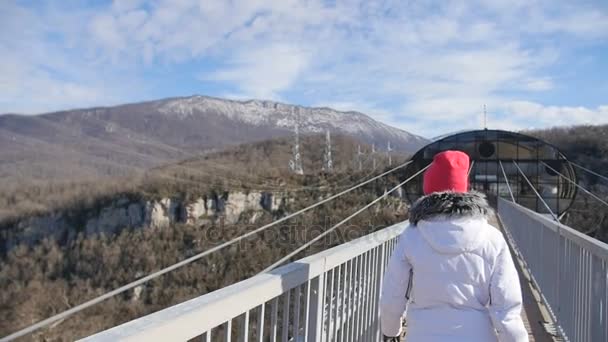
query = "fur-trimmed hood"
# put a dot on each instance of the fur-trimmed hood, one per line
(450, 205)
(452, 222)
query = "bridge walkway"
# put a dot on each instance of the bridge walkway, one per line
(338, 288)
(534, 314)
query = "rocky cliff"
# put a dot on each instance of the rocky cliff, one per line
(124, 212)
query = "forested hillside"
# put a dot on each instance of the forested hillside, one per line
(588, 147)
(46, 278)
(261, 166)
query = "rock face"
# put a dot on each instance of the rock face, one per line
(238, 203)
(197, 210)
(162, 213)
(54, 226)
(128, 213)
(114, 217)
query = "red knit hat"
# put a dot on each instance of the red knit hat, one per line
(449, 171)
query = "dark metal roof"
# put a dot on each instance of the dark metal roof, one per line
(488, 148)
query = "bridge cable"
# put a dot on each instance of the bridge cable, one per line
(189, 260)
(590, 171)
(577, 185)
(318, 237)
(470, 169)
(507, 181)
(536, 192)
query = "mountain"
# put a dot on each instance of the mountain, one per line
(118, 140)
(586, 146)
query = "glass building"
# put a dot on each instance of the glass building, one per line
(488, 149)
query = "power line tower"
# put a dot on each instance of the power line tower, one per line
(295, 164)
(359, 157)
(389, 149)
(328, 163)
(374, 156)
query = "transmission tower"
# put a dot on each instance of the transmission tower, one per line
(359, 158)
(374, 156)
(389, 149)
(328, 163)
(295, 164)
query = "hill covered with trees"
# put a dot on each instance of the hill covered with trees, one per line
(50, 276)
(586, 146)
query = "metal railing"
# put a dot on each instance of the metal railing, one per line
(569, 268)
(330, 296)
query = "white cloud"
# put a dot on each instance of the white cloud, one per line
(502, 114)
(426, 66)
(555, 115)
(263, 73)
(44, 65)
(589, 23)
(538, 84)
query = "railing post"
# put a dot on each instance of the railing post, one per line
(381, 259)
(558, 314)
(274, 319)
(315, 331)
(228, 331)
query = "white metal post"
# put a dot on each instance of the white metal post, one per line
(316, 309)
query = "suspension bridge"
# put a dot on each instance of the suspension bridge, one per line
(334, 295)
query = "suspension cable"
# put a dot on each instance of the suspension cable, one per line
(577, 185)
(306, 245)
(590, 171)
(507, 181)
(184, 262)
(470, 168)
(536, 192)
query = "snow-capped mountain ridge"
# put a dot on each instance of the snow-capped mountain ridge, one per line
(117, 140)
(281, 115)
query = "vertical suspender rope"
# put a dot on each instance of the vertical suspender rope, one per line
(507, 181)
(536, 192)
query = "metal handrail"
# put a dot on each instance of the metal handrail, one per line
(344, 303)
(569, 268)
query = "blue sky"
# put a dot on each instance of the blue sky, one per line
(424, 66)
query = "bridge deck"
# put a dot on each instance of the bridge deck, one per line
(209, 315)
(533, 314)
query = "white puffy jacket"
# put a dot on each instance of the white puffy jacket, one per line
(464, 284)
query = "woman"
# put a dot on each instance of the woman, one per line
(452, 270)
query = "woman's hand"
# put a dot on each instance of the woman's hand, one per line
(399, 338)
